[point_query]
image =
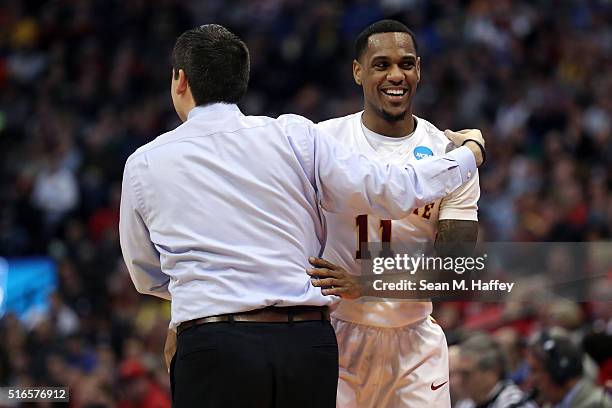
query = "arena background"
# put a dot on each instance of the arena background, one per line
(84, 83)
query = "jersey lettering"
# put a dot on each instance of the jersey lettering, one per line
(362, 234)
(426, 211)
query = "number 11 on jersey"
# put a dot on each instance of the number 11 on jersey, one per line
(362, 234)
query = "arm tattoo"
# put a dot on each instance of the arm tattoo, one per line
(456, 237)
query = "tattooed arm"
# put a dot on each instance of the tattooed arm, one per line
(456, 237)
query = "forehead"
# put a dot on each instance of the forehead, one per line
(466, 361)
(382, 44)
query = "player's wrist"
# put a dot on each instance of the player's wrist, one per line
(477, 149)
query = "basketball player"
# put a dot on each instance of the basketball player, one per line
(392, 354)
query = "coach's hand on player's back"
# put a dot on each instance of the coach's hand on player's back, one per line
(333, 279)
(470, 138)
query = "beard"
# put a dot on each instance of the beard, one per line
(392, 118)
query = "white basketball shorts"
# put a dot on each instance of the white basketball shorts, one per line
(392, 367)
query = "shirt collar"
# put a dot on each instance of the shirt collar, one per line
(567, 401)
(383, 137)
(213, 108)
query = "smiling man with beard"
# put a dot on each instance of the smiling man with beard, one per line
(392, 354)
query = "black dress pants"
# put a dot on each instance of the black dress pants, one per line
(256, 365)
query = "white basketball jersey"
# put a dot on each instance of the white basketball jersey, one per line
(345, 232)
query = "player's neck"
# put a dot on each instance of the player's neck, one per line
(377, 124)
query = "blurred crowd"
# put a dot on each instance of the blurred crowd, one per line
(84, 83)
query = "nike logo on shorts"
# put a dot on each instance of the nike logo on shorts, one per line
(435, 387)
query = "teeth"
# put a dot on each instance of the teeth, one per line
(394, 92)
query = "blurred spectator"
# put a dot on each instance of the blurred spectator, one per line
(137, 390)
(557, 373)
(512, 346)
(65, 320)
(55, 192)
(454, 381)
(482, 376)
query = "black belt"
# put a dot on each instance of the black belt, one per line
(271, 314)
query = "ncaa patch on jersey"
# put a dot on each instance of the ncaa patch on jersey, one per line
(421, 152)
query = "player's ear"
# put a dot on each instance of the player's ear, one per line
(357, 72)
(418, 68)
(182, 84)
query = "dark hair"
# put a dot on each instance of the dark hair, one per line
(215, 61)
(486, 352)
(561, 358)
(381, 26)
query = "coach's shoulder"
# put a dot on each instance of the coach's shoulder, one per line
(295, 126)
(140, 153)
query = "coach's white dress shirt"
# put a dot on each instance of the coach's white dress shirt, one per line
(221, 214)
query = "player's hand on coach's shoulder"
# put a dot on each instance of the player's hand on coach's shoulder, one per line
(333, 279)
(470, 138)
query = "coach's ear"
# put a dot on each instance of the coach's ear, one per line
(357, 72)
(182, 83)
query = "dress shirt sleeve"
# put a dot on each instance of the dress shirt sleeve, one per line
(141, 257)
(353, 183)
